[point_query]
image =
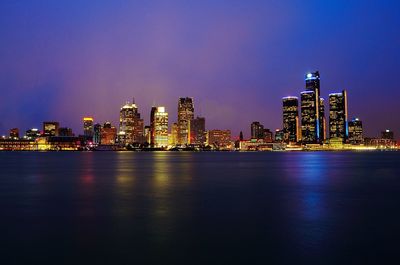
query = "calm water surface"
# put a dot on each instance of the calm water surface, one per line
(200, 208)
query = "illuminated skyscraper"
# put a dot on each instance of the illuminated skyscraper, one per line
(338, 123)
(14, 133)
(185, 114)
(50, 128)
(32, 134)
(152, 126)
(174, 134)
(97, 133)
(387, 134)
(312, 111)
(88, 126)
(108, 134)
(197, 131)
(131, 126)
(160, 127)
(219, 139)
(308, 117)
(355, 131)
(291, 119)
(257, 130)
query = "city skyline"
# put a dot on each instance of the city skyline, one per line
(63, 61)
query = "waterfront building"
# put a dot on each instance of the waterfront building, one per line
(108, 134)
(312, 111)
(387, 134)
(197, 131)
(14, 133)
(291, 119)
(173, 139)
(88, 127)
(147, 134)
(152, 126)
(338, 120)
(50, 128)
(131, 126)
(268, 136)
(257, 130)
(160, 127)
(32, 134)
(219, 139)
(185, 114)
(279, 136)
(65, 131)
(355, 132)
(97, 133)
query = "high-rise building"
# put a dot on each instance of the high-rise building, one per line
(152, 126)
(387, 134)
(291, 119)
(356, 131)
(50, 128)
(147, 134)
(219, 139)
(338, 121)
(185, 114)
(32, 134)
(268, 136)
(88, 126)
(257, 130)
(161, 127)
(173, 139)
(279, 135)
(108, 134)
(65, 131)
(312, 111)
(14, 133)
(131, 126)
(197, 131)
(97, 133)
(308, 117)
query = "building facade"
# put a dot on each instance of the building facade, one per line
(257, 130)
(88, 127)
(291, 119)
(131, 126)
(219, 139)
(108, 134)
(50, 128)
(338, 113)
(185, 114)
(197, 131)
(355, 132)
(160, 127)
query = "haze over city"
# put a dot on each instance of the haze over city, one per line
(62, 60)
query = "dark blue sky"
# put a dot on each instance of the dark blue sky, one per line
(61, 60)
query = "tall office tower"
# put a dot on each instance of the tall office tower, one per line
(161, 127)
(147, 134)
(257, 130)
(338, 123)
(130, 125)
(152, 128)
(14, 133)
(291, 119)
(197, 131)
(174, 134)
(108, 134)
(88, 126)
(32, 134)
(355, 131)
(313, 129)
(387, 134)
(65, 131)
(185, 114)
(279, 136)
(97, 133)
(308, 117)
(50, 128)
(322, 120)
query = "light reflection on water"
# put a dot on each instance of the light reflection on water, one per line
(167, 206)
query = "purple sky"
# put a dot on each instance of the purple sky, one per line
(62, 60)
